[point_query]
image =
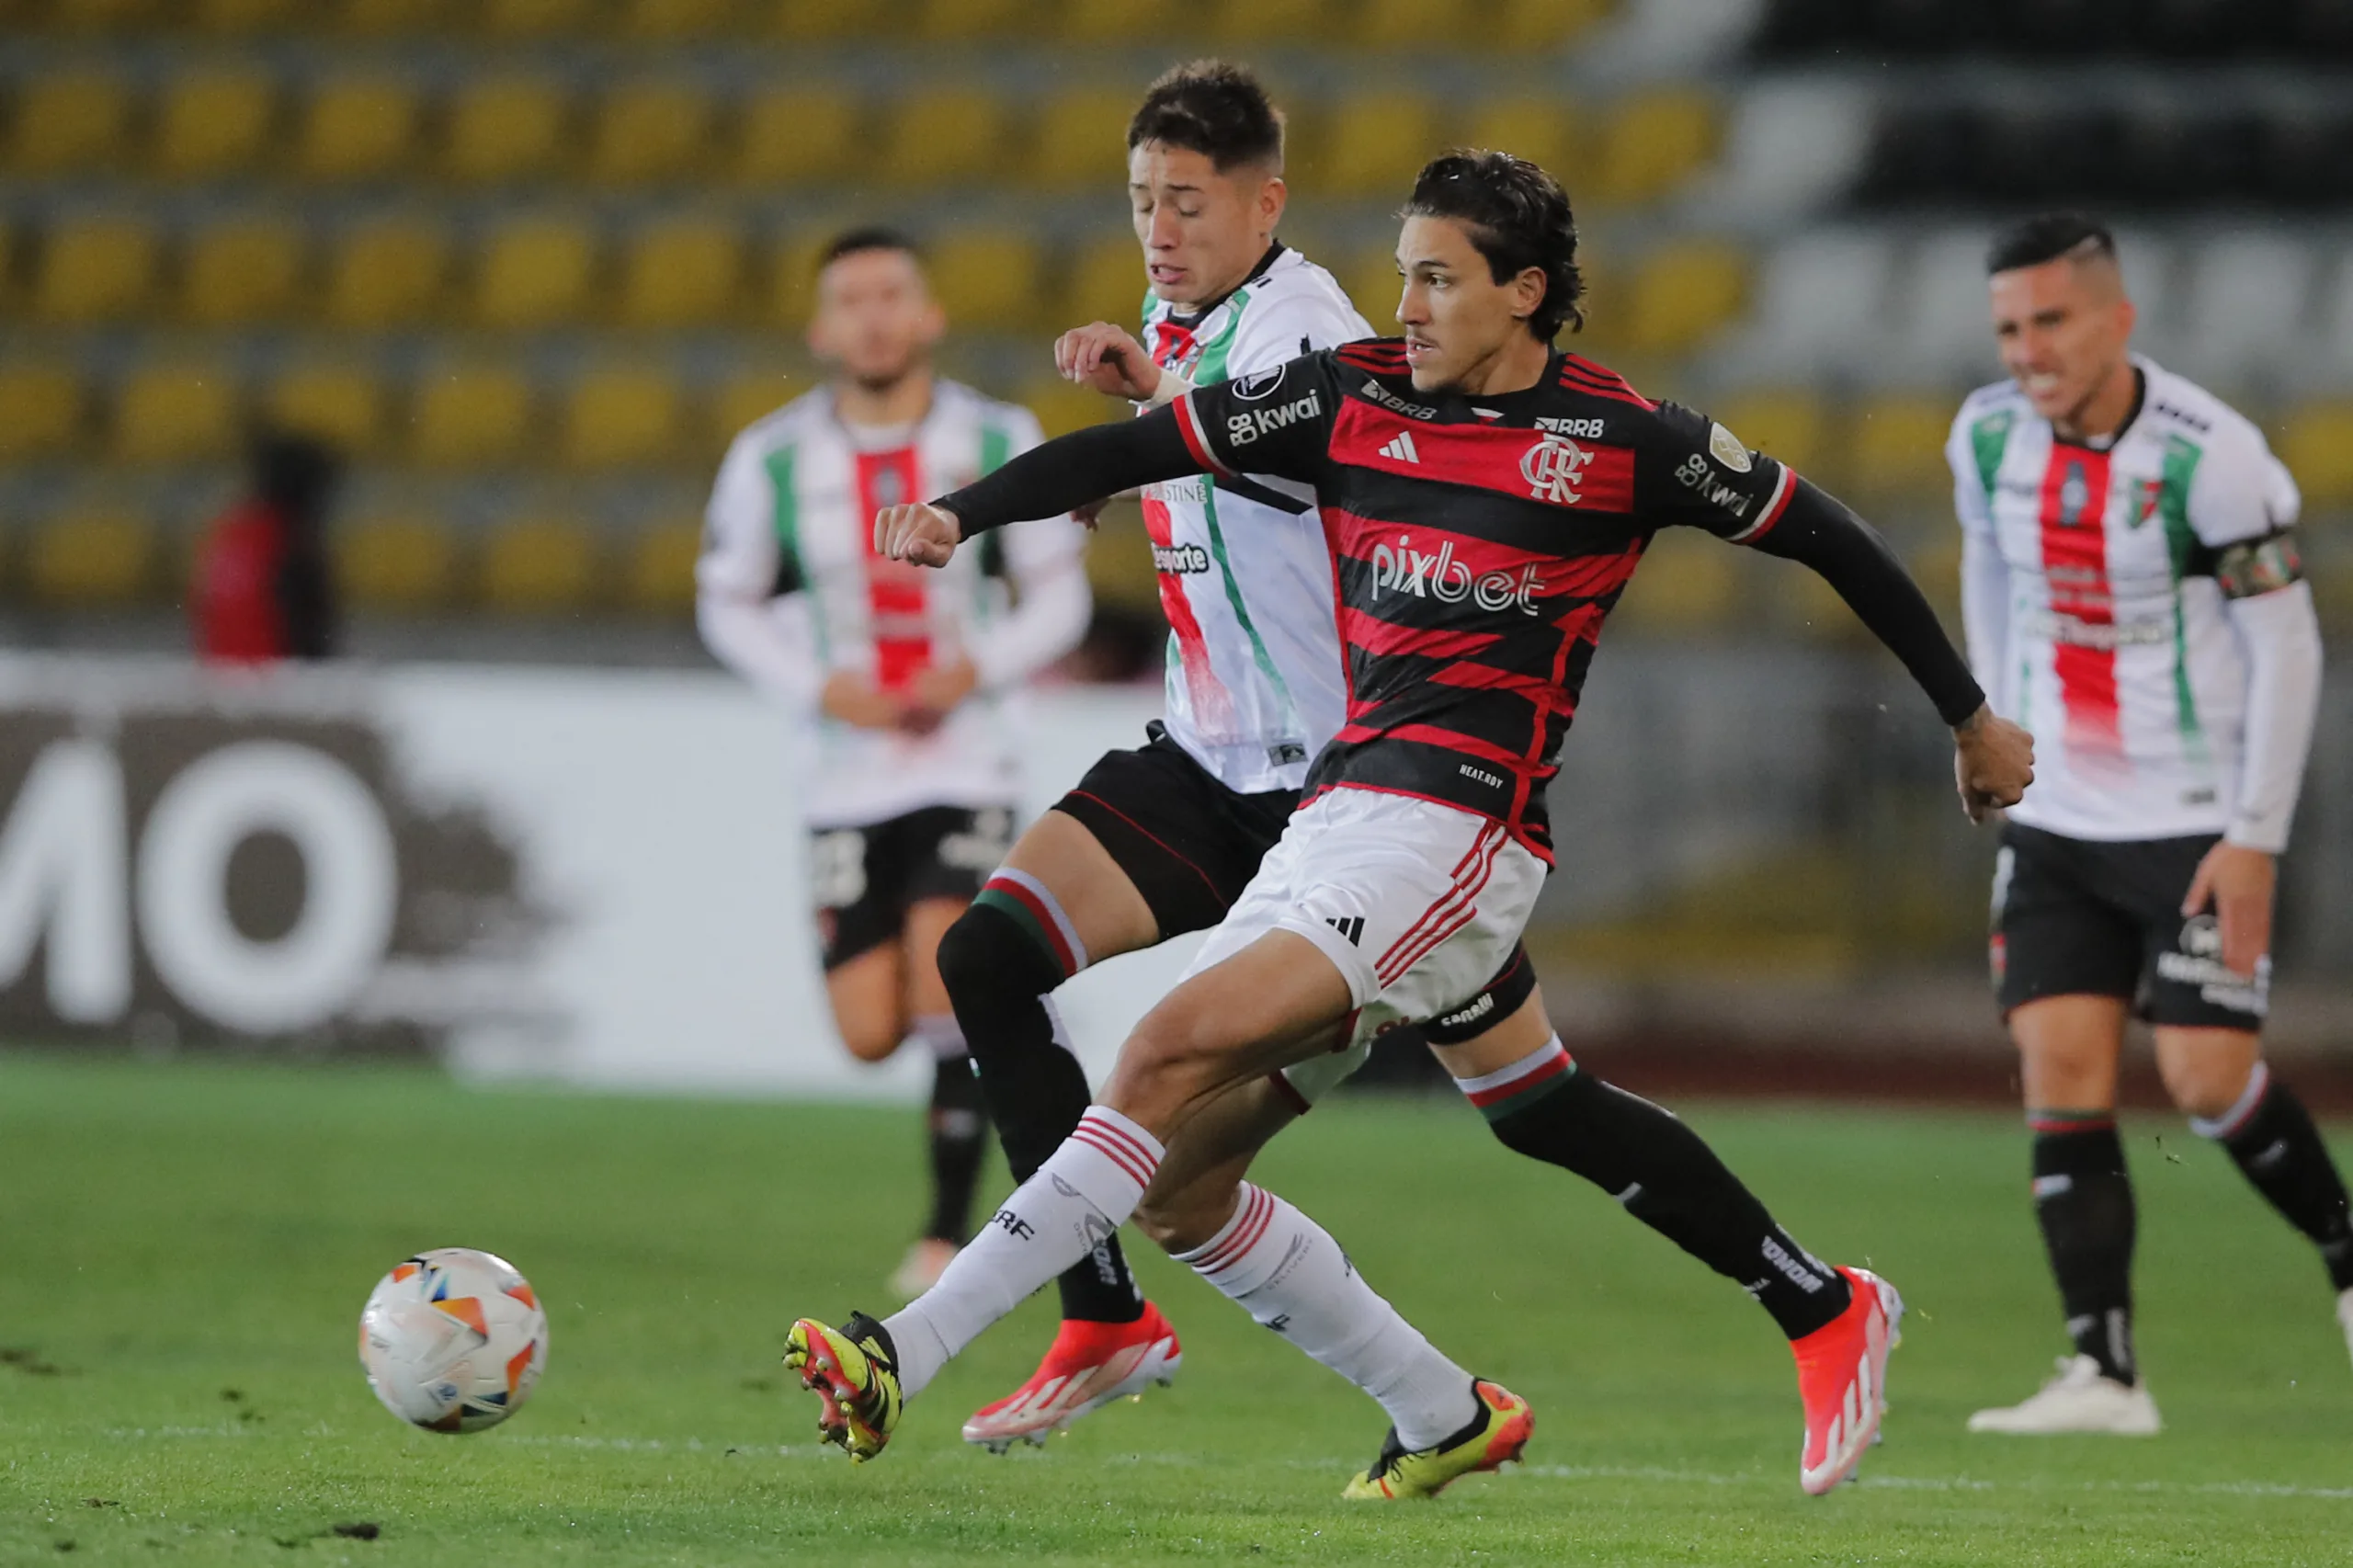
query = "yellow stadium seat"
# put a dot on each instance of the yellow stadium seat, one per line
(622, 416)
(794, 136)
(1105, 282)
(792, 280)
(40, 408)
(2317, 447)
(1521, 25)
(983, 21)
(174, 411)
(1936, 566)
(539, 566)
(238, 17)
(242, 270)
(1081, 138)
(92, 556)
(386, 19)
(396, 562)
(1272, 21)
(1786, 422)
(649, 130)
(670, 21)
(1120, 21)
(469, 416)
(70, 121)
(660, 576)
(101, 15)
(746, 396)
(535, 272)
(387, 272)
(1404, 24)
(1062, 407)
(2331, 577)
(357, 127)
(1543, 131)
(213, 122)
(1687, 584)
(1370, 277)
(338, 402)
(942, 137)
(506, 128)
(1680, 294)
(1896, 445)
(989, 280)
(531, 19)
(684, 272)
(1652, 142)
(94, 269)
(816, 21)
(1372, 146)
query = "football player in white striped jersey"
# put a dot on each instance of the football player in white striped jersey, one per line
(904, 679)
(2133, 598)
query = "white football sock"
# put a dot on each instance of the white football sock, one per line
(1286, 1271)
(1084, 1191)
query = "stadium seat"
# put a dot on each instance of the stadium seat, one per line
(683, 272)
(1895, 445)
(1118, 21)
(535, 272)
(539, 566)
(1681, 293)
(399, 562)
(239, 17)
(41, 403)
(943, 137)
(746, 396)
(83, 16)
(1787, 423)
(1062, 407)
(1105, 282)
(523, 19)
(1371, 144)
(988, 21)
(1404, 24)
(798, 136)
(989, 280)
(1080, 139)
(92, 556)
(1270, 21)
(2331, 344)
(242, 270)
(1542, 130)
(1523, 25)
(176, 412)
(94, 269)
(2246, 304)
(1650, 142)
(391, 18)
(357, 127)
(2317, 447)
(659, 578)
(387, 272)
(470, 415)
(213, 122)
(340, 402)
(1816, 305)
(1938, 326)
(819, 21)
(649, 130)
(1936, 566)
(1687, 584)
(70, 121)
(622, 416)
(676, 21)
(792, 280)
(506, 128)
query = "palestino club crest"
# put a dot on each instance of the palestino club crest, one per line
(1553, 468)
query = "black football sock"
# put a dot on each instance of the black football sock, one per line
(999, 976)
(958, 1125)
(1664, 1175)
(2272, 1139)
(2082, 1199)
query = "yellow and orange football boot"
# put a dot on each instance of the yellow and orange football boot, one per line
(853, 1370)
(1497, 1434)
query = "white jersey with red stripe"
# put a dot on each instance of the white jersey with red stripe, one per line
(789, 592)
(2107, 634)
(1256, 682)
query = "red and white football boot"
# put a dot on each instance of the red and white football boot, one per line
(1091, 1364)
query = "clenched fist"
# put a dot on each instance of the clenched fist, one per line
(925, 535)
(1992, 762)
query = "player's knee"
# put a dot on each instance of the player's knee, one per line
(1174, 1057)
(869, 1039)
(983, 955)
(2203, 1088)
(1179, 1221)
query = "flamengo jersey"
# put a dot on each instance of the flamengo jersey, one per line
(789, 553)
(1475, 548)
(1254, 659)
(2118, 654)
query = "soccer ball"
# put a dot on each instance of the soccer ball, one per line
(453, 1340)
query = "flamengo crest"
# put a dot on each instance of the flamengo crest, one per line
(1553, 467)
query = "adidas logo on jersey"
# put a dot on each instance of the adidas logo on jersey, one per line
(1402, 448)
(1348, 925)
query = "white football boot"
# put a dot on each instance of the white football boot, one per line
(2080, 1399)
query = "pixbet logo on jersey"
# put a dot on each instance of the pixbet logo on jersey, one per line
(1552, 468)
(1438, 576)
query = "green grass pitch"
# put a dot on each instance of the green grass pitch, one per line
(184, 1250)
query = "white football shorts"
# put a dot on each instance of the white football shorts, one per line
(1416, 903)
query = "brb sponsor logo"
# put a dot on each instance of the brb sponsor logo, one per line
(1437, 575)
(1180, 559)
(1250, 423)
(1553, 468)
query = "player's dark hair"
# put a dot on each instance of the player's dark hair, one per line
(2047, 236)
(1218, 111)
(1518, 217)
(870, 236)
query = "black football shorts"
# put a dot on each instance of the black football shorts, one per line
(865, 879)
(2074, 916)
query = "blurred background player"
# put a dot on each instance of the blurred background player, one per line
(913, 773)
(260, 590)
(2133, 594)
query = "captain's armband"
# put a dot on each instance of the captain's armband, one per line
(2258, 565)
